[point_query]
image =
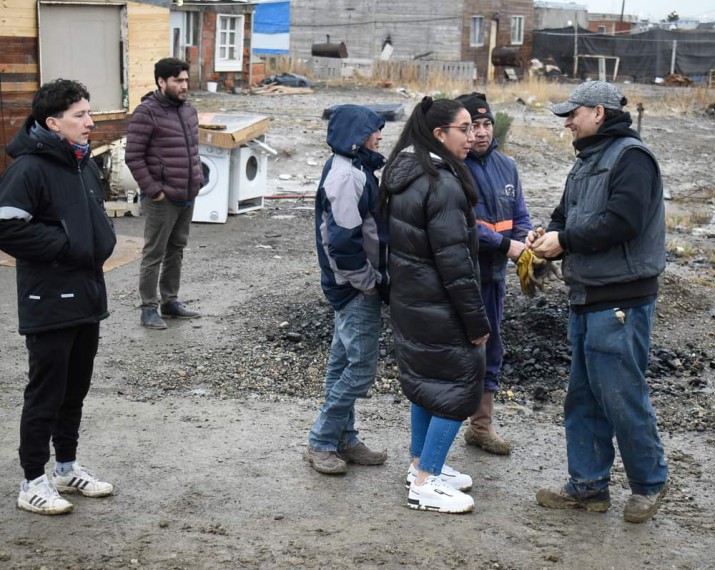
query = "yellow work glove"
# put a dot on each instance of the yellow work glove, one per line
(533, 272)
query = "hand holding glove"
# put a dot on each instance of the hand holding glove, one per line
(534, 272)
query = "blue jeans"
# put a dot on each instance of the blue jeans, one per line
(431, 439)
(350, 373)
(607, 396)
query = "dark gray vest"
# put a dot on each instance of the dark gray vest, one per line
(586, 196)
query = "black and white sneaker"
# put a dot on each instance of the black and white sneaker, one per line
(436, 495)
(80, 480)
(41, 496)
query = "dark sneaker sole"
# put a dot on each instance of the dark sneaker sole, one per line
(154, 327)
(164, 316)
(416, 504)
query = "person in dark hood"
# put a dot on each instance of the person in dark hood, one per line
(351, 239)
(163, 156)
(503, 223)
(52, 220)
(438, 318)
(609, 228)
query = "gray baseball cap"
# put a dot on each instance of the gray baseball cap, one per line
(590, 94)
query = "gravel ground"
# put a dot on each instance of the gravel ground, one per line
(201, 426)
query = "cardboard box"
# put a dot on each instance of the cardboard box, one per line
(238, 129)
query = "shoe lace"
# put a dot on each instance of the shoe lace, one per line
(85, 473)
(46, 489)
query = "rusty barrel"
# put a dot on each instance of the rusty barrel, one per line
(329, 49)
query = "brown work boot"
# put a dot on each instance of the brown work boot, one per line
(361, 454)
(641, 508)
(560, 499)
(480, 431)
(326, 462)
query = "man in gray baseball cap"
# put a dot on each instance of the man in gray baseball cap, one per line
(609, 229)
(590, 94)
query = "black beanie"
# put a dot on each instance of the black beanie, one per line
(476, 104)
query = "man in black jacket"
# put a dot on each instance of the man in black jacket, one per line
(610, 230)
(52, 220)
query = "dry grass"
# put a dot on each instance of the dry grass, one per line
(688, 220)
(656, 100)
(535, 92)
(681, 248)
(555, 137)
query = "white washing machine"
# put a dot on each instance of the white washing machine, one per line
(249, 176)
(211, 205)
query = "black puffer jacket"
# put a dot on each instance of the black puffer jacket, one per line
(435, 301)
(52, 221)
(163, 148)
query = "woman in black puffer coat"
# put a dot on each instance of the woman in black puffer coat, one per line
(436, 306)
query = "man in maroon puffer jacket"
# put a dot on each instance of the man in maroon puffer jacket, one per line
(163, 156)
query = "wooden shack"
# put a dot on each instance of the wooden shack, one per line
(109, 46)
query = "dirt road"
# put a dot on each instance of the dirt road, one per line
(201, 427)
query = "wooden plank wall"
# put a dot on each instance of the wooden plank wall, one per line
(148, 41)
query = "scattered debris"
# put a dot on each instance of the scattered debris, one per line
(280, 90)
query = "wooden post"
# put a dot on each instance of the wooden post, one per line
(640, 108)
(492, 44)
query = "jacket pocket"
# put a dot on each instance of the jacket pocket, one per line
(62, 301)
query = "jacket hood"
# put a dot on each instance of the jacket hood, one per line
(26, 143)
(405, 169)
(350, 126)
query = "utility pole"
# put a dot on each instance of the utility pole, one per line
(575, 45)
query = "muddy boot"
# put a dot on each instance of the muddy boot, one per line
(561, 499)
(481, 433)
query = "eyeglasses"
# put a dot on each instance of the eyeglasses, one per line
(466, 129)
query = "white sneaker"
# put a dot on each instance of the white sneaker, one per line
(41, 496)
(435, 495)
(452, 477)
(79, 480)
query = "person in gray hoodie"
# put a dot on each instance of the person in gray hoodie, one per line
(351, 239)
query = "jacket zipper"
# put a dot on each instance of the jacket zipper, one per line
(188, 152)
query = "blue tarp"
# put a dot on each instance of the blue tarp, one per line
(272, 18)
(271, 28)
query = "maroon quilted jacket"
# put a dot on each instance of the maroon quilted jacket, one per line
(163, 148)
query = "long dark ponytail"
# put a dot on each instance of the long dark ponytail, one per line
(428, 115)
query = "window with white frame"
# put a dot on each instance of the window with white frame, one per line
(517, 30)
(476, 32)
(229, 43)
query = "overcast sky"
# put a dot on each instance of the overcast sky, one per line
(654, 10)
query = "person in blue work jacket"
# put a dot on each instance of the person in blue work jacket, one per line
(503, 223)
(351, 239)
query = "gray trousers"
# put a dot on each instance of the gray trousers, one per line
(166, 233)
